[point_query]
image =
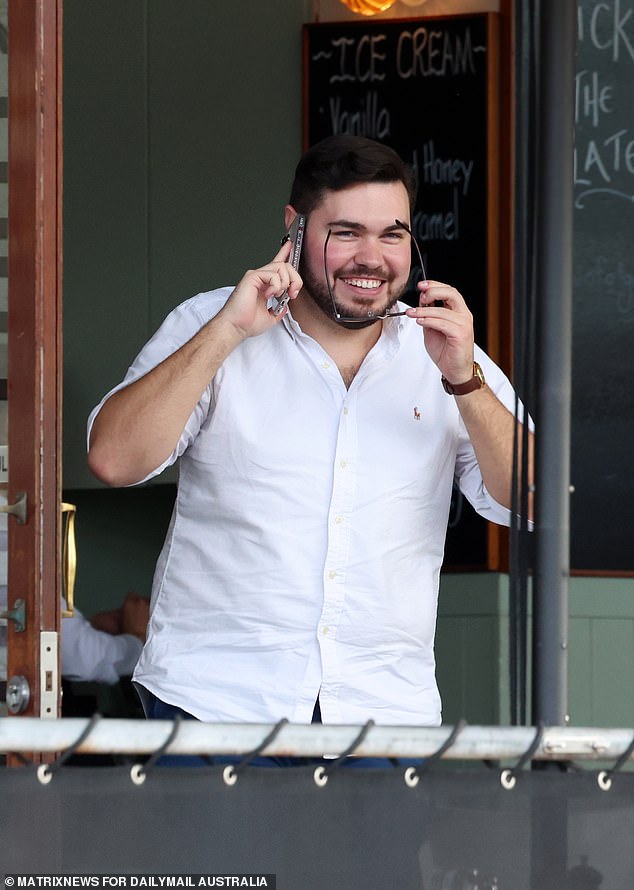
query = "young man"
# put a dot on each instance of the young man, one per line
(317, 449)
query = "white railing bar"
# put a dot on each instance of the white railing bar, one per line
(117, 736)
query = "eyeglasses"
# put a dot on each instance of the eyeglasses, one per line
(371, 316)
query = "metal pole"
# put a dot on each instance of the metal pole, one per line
(118, 736)
(554, 321)
(521, 542)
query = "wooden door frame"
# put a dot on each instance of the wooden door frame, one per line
(34, 330)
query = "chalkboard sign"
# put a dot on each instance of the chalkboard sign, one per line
(426, 87)
(602, 506)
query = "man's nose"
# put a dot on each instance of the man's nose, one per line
(369, 253)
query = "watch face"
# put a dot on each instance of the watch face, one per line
(461, 389)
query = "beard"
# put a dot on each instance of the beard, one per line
(316, 287)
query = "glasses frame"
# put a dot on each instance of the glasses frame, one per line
(343, 319)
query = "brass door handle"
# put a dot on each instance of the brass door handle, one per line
(69, 564)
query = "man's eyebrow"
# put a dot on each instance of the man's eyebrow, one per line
(347, 224)
(360, 227)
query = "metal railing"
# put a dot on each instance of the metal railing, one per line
(462, 742)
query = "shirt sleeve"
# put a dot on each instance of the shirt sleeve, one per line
(95, 656)
(179, 327)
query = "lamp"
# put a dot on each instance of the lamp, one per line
(368, 7)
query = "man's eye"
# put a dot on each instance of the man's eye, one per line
(344, 233)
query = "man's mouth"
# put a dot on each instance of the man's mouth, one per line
(363, 283)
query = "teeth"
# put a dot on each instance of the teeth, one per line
(363, 282)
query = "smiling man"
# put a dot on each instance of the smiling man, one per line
(318, 447)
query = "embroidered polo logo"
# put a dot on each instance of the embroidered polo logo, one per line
(416, 413)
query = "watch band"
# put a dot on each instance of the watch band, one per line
(461, 389)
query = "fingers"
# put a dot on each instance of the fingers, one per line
(278, 278)
(284, 252)
(436, 292)
(442, 307)
(272, 280)
(282, 278)
(280, 275)
(448, 328)
(280, 284)
(283, 281)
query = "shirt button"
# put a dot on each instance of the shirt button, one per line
(345, 410)
(338, 520)
(325, 631)
(326, 365)
(343, 464)
(332, 574)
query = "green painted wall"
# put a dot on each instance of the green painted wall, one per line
(473, 650)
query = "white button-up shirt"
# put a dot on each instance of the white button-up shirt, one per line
(305, 546)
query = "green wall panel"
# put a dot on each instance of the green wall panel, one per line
(224, 94)
(105, 295)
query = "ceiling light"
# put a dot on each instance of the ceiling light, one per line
(368, 7)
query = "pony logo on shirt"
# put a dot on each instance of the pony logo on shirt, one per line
(416, 413)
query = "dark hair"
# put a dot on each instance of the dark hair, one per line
(338, 162)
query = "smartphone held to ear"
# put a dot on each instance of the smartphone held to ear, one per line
(296, 236)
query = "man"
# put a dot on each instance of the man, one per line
(107, 646)
(318, 448)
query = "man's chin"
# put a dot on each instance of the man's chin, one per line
(363, 318)
(358, 319)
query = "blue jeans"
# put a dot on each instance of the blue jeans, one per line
(155, 709)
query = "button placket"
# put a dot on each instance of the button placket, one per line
(338, 541)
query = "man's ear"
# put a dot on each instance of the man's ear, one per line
(289, 215)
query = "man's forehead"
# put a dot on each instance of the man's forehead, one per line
(367, 199)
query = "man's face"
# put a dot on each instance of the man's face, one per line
(368, 254)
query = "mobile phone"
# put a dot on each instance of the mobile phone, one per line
(296, 235)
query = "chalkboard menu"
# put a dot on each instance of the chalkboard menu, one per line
(602, 451)
(426, 87)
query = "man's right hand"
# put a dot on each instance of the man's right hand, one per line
(247, 307)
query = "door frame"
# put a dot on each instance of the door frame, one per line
(35, 338)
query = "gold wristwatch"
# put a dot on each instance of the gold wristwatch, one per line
(461, 389)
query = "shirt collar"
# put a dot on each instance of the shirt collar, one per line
(391, 335)
(291, 327)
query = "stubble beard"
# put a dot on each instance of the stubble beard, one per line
(317, 289)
